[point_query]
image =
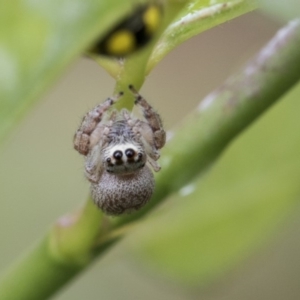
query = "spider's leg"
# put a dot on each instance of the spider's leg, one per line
(82, 138)
(152, 119)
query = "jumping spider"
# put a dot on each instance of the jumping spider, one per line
(117, 148)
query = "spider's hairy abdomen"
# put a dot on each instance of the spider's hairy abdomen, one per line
(116, 195)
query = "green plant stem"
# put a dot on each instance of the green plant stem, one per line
(71, 246)
(37, 275)
(73, 235)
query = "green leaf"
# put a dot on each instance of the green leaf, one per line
(38, 40)
(216, 221)
(196, 17)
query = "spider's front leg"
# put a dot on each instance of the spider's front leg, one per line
(82, 138)
(153, 119)
(152, 130)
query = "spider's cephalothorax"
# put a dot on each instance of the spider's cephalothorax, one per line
(118, 149)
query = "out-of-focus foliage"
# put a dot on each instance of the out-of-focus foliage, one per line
(38, 39)
(282, 10)
(214, 222)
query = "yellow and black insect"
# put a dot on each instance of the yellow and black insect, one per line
(132, 33)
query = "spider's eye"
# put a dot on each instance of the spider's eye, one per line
(118, 154)
(129, 153)
(140, 155)
(132, 33)
(108, 159)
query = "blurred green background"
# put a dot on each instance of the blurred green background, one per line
(41, 176)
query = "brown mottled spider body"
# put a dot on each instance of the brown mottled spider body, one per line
(118, 148)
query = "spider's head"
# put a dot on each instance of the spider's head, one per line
(124, 158)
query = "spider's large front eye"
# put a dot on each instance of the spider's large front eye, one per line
(129, 153)
(118, 154)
